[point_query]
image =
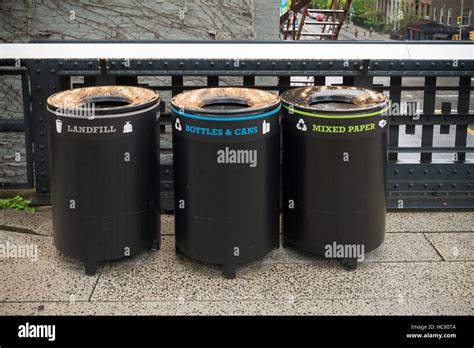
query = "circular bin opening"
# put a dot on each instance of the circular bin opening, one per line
(102, 100)
(334, 100)
(331, 102)
(106, 101)
(224, 103)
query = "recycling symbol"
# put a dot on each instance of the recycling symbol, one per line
(301, 125)
(382, 123)
(177, 125)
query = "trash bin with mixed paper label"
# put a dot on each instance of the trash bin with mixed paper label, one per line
(334, 160)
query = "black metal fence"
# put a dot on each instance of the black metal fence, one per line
(18, 125)
(422, 172)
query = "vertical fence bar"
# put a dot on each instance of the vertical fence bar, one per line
(126, 80)
(176, 81)
(40, 88)
(394, 130)
(283, 83)
(463, 108)
(428, 108)
(89, 81)
(363, 81)
(348, 80)
(25, 91)
(319, 80)
(249, 81)
(64, 83)
(213, 81)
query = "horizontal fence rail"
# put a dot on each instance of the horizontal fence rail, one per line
(430, 149)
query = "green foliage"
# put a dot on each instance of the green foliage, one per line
(17, 203)
(362, 7)
(320, 4)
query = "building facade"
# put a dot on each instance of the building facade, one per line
(447, 12)
(443, 12)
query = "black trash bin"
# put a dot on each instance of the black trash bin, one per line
(104, 161)
(226, 156)
(334, 160)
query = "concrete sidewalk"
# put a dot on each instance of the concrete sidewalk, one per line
(425, 267)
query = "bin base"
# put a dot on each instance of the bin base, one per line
(350, 264)
(229, 271)
(90, 267)
(178, 250)
(155, 246)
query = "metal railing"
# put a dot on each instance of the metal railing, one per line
(434, 81)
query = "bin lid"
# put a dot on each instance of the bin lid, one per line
(106, 100)
(335, 99)
(225, 101)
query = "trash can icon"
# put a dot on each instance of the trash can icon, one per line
(334, 160)
(127, 128)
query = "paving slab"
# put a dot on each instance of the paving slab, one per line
(453, 246)
(397, 247)
(424, 267)
(391, 306)
(39, 222)
(321, 307)
(405, 306)
(160, 276)
(167, 224)
(50, 278)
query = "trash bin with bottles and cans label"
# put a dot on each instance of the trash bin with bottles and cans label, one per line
(104, 164)
(334, 161)
(226, 157)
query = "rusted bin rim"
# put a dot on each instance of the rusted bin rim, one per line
(105, 100)
(332, 100)
(224, 102)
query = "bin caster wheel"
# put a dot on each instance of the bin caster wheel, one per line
(178, 250)
(90, 267)
(229, 271)
(285, 243)
(350, 264)
(155, 246)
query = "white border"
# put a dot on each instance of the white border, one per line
(237, 51)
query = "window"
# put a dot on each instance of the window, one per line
(450, 15)
(466, 17)
(434, 14)
(441, 15)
